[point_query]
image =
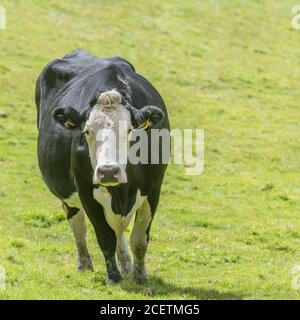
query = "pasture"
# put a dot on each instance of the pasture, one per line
(229, 67)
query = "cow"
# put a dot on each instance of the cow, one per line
(78, 97)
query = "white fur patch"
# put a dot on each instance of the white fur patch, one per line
(124, 255)
(117, 222)
(138, 241)
(73, 201)
(138, 237)
(78, 227)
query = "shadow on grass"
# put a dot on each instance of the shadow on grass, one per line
(158, 287)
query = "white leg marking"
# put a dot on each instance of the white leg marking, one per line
(124, 255)
(78, 226)
(138, 241)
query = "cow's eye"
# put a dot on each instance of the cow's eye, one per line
(129, 130)
(86, 131)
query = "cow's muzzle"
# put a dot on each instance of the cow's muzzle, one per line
(108, 175)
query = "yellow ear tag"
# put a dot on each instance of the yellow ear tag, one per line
(69, 123)
(145, 125)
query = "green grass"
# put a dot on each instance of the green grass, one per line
(230, 67)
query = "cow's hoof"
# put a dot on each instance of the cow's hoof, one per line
(140, 275)
(126, 267)
(114, 279)
(84, 263)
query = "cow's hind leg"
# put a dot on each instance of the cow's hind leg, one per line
(139, 241)
(124, 255)
(76, 219)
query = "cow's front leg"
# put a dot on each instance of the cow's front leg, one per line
(76, 221)
(139, 241)
(108, 243)
(124, 255)
(106, 238)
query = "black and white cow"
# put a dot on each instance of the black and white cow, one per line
(76, 98)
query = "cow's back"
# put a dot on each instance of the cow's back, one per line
(73, 81)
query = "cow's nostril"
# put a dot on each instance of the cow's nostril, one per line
(116, 172)
(100, 173)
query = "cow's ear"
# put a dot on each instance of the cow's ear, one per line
(148, 117)
(68, 117)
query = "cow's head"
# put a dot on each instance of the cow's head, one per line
(107, 127)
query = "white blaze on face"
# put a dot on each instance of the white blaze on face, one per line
(107, 131)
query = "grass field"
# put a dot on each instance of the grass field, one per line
(230, 67)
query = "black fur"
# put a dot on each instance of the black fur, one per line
(71, 211)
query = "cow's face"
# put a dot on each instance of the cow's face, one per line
(107, 128)
(107, 133)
